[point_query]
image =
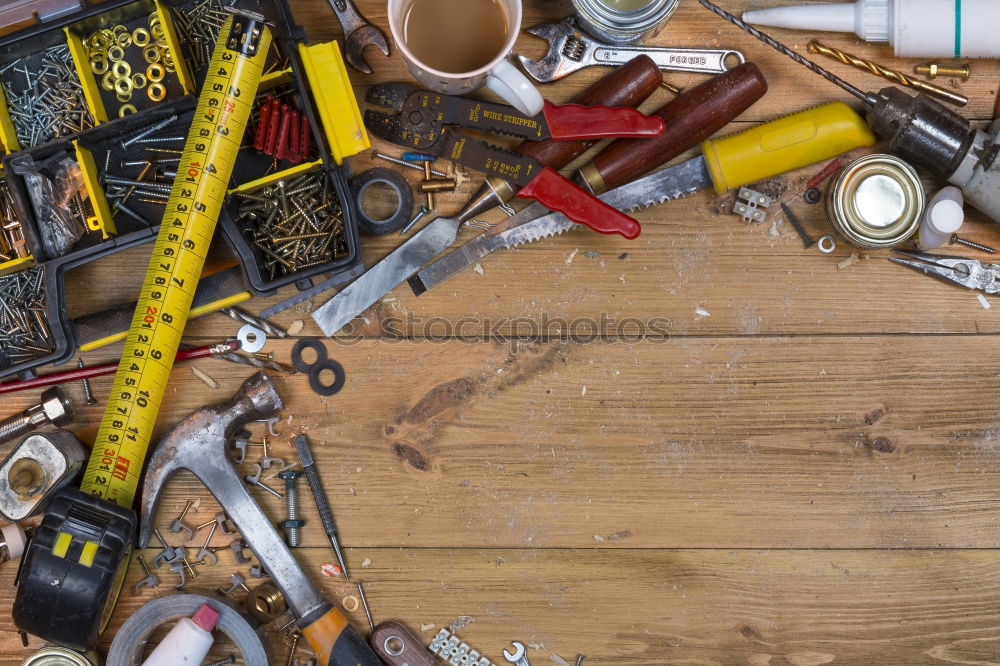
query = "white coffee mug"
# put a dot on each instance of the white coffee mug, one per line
(499, 75)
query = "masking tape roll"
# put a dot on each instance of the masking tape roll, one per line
(130, 641)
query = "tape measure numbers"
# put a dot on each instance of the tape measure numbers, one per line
(73, 570)
(220, 120)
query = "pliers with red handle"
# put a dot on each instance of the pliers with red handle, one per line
(422, 116)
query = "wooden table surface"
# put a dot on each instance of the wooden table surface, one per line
(802, 471)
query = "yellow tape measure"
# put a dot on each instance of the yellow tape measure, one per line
(220, 120)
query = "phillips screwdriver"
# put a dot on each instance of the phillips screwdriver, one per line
(921, 130)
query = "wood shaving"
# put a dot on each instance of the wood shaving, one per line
(556, 659)
(572, 255)
(205, 378)
(427, 627)
(982, 301)
(367, 562)
(461, 622)
(848, 262)
(479, 268)
(295, 327)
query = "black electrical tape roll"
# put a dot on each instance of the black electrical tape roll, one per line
(130, 641)
(404, 201)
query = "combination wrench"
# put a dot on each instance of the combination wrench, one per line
(358, 35)
(571, 50)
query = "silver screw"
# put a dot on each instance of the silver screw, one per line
(88, 395)
(957, 240)
(231, 659)
(403, 163)
(293, 523)
(416, 218)
(149, 130)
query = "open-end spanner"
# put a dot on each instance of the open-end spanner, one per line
(518, 657)
(358, 35)
(571, 50)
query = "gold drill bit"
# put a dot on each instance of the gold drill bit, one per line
(891, 74)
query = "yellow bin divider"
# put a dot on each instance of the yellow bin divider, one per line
(335, 100)
(16, 265)
(297, 170)
(102, 221)
(174, 44)
(91, 89)
(7, 132)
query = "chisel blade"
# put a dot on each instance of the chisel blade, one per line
(673, 183)
(384, 276)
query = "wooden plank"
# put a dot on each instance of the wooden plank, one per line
(713, 607)
(709, 443)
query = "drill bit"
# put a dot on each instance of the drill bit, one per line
(244, 317)
(815, 46)
(868, 98)
(233, 357)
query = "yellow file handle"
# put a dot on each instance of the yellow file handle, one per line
(785, 144)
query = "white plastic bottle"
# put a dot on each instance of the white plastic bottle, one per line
(943, 216)
(188, 642)
(916, 28)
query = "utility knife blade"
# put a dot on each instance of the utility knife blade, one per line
(534, 223)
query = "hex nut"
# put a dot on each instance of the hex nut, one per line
(57, 407)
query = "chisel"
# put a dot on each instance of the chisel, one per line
(756, 154)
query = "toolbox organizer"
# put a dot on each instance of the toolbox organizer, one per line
(315, 74)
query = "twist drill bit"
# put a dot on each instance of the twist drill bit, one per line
(868, 98)
(244, 317)
(233, 357)
(815, 46)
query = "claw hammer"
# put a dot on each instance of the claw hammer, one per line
(198, 444)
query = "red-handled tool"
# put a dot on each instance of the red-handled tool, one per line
(420, 125)
(576, 121)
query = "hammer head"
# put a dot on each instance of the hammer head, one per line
(198, 444)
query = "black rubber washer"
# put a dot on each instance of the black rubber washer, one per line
(404, 201)
(327, 389)
(308, 343)
(812, 195)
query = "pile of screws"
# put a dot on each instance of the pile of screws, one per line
(12, 242)
(200, 27)
(152, 183)
(295, 224)
(24, 333)
(51, 103)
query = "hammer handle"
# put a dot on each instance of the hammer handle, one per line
(628, 85)
(690, 118)
(335, 642)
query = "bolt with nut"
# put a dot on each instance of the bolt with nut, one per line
(293, 523)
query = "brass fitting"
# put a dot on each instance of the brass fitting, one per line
(932, 70)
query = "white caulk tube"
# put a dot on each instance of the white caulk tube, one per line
(943, 216)
(916, 28)
(188, 642)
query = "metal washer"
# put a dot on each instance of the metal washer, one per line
(251, 338)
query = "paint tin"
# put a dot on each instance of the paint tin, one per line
(876, 202)
(623, 22)
(56, 656)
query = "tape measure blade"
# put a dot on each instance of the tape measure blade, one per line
(178, 257)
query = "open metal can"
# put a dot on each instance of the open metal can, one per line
(876, 202)
(623, 22)
(57, 656)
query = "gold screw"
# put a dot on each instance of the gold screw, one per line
(932, 70)
(674, 89)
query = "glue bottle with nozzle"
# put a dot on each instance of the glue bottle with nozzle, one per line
(943, 217)
(188, 642)
(916, 28)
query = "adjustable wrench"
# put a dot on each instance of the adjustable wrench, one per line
(571, 50)
(358, 34)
